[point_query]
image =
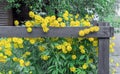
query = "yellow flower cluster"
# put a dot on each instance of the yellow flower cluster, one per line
(23, 63)
(111, 46)
(66, 19)
(15, 59)
(18, 42)
(89, 30)
(3, 58)
(65, 47)
(26, 54)
(5, 49)
(82, 49)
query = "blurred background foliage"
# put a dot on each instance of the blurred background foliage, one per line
(101, 7)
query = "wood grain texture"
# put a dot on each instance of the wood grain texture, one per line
(12, 31)
(5, 15)
(103, 63)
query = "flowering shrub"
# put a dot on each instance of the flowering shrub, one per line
(51, 55)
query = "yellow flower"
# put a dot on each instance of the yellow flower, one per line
(85, 66)
(29, 29)
(56, 23)
(95, 43)
(71, 19)
(82, 51)
(72, 23)
(7, 45)
(113, 38)
(81, 33)
(22, 63)
(77, 15)
(113, 44)
(3, 58)
(27, 63)
(117, 64)
(72, 69)
(59, 19)
(86, 31)
(30, 72)
(65, 43)
(31, 14)
(87, 16)
(81, 47)
(38, 19)
(27, 53)
(62, 24)
(91, 61)
(66, 18)
(45, 29)
(16, 22)
(45, 57)
(20, 41)
(20, 45)
(96, 28)
(77, 23)
(59, 47)
(64, 50)
(112, 50)
(74, 57)
(8, 52)
(28, 24)
(91, 39)
(111, 60)
(86, 23)
(69, 48)
(41, 48)
(15, 59)
(110, 46)
(65, 14)
(92, 29)
(53, 17)
(10, 72)
(32, 41)
(0, 48)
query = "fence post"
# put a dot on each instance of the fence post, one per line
(103, 63)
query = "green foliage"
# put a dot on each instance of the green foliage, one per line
(55, 7)
(114, 22)
(59, 62)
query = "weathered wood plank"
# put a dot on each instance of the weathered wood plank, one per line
(103, 63)
(3, 20)
(4, 15)
(12, 31)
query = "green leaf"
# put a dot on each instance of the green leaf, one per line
(55, 72)
(63, 56)
(82, 57)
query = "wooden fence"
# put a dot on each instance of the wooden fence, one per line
(103, 36)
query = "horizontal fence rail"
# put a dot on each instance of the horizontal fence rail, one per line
(13, 31)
